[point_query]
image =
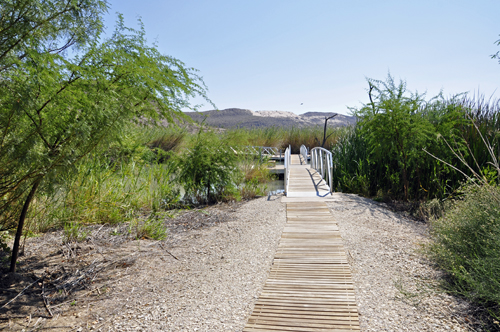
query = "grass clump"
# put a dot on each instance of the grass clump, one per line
(467, 246)
(74, 232)
(208, 171)
(151, 228)
(254, 178)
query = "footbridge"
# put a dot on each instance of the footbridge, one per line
(309, 287)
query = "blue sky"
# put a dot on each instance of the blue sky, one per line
(277, 54)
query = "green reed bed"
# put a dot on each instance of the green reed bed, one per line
(146, 170)
(442, 154)
(403, 145)
(467, 246)
(284, 137)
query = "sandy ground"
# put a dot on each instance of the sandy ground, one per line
(208, 273)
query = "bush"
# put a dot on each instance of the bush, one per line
(254, 179)
(467, 246)
(208, 170)
(74, 232)
(406, 147)
(351, 171)
(151, 228)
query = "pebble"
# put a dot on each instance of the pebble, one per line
(396, 286)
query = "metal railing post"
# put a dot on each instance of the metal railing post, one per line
(322, 162)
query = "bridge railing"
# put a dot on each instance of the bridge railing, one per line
(261, 151)
(321, 161)
(288, 162)
(304, 152)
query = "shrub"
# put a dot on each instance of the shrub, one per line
(467, 245)
(351, 171)
(208, 170)
(74, 232)
(151, 228)
(255, 177)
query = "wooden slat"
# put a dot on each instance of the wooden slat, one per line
(309, 287)
(305, 181)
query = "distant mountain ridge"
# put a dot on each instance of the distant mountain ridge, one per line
(244, 118)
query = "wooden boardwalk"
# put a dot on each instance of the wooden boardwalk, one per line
(305, 181)
(309, 287)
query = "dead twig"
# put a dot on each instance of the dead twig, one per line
(21, 316)
(21, 293)
(168, 252)
(36, 323)
(89, 292)
(45, 301)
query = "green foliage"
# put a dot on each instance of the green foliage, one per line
(467, 245)
(4, 238)
(351, 163)
(395, 131)
(497, 54)
(254, 179)
(208, 170)
(99, 192)
(151, 228)
(58, 106)
(74, 232)
(391, 152)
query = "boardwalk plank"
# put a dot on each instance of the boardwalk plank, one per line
(309, 287)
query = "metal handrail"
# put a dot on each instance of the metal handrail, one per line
(269, 150)
(322, 162)
(288, 162)
(260, 151)
(304, 152)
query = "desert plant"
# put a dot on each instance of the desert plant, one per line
(56, 106)
(254, 178)
(97, 192)
(74, 232)
(151, 228)
(385, 152)
(467, 245)
(351, 163)
(395, 129)
(467, 237)
(208, 170)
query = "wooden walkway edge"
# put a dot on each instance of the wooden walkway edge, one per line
(304, 181)
(309, 287)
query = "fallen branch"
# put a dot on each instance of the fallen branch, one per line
(22, 316)
(47, 306)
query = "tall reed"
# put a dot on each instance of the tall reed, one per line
(389, 152)
(284, 137)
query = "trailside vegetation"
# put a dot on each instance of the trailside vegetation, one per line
(208, 171)
(441, 155)
(66, 89)
(467, 246)
(391, 151)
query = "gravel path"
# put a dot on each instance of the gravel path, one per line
(218, 277)
(209, 272)
(395, 285)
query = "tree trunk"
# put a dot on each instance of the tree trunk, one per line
(324, 129)
(22, 217)
(208, 193)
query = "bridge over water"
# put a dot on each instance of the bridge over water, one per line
(309, 287)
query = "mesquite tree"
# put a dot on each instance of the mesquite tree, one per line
(65, 89)
(325, 136)
(395, 129)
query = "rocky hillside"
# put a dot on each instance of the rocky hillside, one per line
(242, 118)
